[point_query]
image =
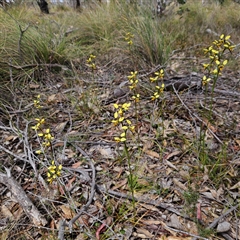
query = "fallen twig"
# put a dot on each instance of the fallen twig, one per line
(155, 203)
(229, 93)
(11, 153)
(183, 232)
(93, 184)
(196, 116)
(19, 194)
(215, 222)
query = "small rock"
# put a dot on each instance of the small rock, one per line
(223, 227)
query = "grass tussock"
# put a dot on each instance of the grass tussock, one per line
(66, 35)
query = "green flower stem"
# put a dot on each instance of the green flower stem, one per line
(137, 118)
(131, 181)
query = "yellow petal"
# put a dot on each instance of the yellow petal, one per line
(115, 105)
(225, 62)
(124, 127)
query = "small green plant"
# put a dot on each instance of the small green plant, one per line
(216, 64)
(53, 172)
(91, 62)
(133, 83)
(213, 70)
(124, 126)
(158, 89)
(191, 196)
(45, 139)
(157, 97)
(203, 231)
(129, 39)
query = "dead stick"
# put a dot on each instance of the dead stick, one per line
(92, 193)
(196, 116)
(215, 222)
(19, 194)
(155, 203)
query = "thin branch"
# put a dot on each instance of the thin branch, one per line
(225, 92)
(92, 193)
(27, 150)
(19, 194)
(215, 222)
(155, 203)
(195, 115)
(12, 154)
(187, 233)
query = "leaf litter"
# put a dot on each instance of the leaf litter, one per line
(177, 195)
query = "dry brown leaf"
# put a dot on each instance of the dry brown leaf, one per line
(168, 171)
(77, 164)
(60, 127)
(106, 152)
(70, 153)
(170, 155)
(18, 212)
(55, 98)
(165, 183)
(149, 207)
(120, 184)
(52, 98)
(150, 222)
(67, 211)
(6, 212)
(146, 233)
(94, 108)
(80, 236)
(4, 234)
(147, 145)
(58, 144)
(209, 125)
(217, 194)
(143, 181)
(190, 226)
(170, 164)
(98, 204)
(52, 224)
(184, 174)
(152, 153)
(69, 184)
(179, 184)
(236, 186)
(11, 138)
(118, 169)
(34, 86)
(83, 220)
